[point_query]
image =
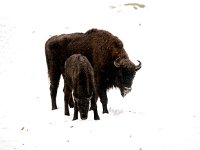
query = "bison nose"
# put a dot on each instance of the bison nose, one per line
(83, 116)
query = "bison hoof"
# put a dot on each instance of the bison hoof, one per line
(96, 118)
(105, 110)
(54, 107)
(67, 113)
(74, 119)
(71, 105)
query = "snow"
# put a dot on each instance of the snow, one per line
(162, 111)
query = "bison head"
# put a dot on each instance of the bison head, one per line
(126, 71)
(83, 106)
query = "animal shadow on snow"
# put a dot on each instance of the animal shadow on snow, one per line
(115, 111)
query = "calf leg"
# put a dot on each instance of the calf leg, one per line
(67, 97)
(70, 99)
(94, 108)
(103, 99)
(75, 111)
(71, 102)
(54, 82)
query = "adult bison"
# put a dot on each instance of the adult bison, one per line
(111, 64)
(79, 78)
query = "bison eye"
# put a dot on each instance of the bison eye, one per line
(128, 73)
(120, 73)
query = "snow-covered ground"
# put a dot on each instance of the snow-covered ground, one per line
(162, 111)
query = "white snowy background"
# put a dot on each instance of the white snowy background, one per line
(161, 113)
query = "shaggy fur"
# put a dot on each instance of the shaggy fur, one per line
(105, 52)
(79, 78)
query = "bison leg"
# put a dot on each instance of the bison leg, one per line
(103, 99)
(71, 102)
(94, 108)
(54, 82)
(68, 96)
(75, 111)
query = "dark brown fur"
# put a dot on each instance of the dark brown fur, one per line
(111, 64)
(79, 79)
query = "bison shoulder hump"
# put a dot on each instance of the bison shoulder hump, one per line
(91, 31)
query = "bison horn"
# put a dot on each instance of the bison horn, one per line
(138, 66)
(116, 63)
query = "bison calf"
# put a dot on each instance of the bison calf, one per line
(79, 80)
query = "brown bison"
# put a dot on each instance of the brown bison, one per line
(111, 64)
(79, 78)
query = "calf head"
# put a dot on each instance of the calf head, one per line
(83, 106)
(126, 71)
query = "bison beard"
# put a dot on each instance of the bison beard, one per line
(111, 64)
